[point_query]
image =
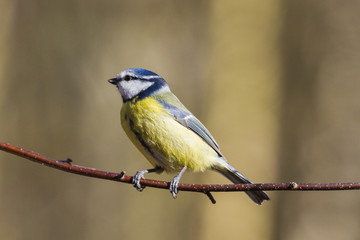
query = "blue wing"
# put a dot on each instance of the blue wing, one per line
(187, 119)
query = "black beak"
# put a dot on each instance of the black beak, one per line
(113, 81)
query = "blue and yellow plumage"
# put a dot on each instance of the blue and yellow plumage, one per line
(168, 135)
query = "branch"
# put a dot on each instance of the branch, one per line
(65, 165)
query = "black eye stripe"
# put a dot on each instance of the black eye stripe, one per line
(128, 78)
(134, 77)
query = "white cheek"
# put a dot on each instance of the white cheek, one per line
(130, 89)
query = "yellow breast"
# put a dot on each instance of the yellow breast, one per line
(163, 140)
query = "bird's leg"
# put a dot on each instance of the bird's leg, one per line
(175, 182)
(140, 175)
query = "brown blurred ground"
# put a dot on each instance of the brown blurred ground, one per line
(276, 82)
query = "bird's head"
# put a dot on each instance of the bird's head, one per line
(138, 82)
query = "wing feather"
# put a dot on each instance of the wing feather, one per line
(188, 120)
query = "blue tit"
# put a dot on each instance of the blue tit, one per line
(167, 134)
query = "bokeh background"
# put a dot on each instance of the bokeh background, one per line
(276, 82)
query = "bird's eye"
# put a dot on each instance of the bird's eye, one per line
(128, 78)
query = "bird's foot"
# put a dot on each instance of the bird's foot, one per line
(175, 182)
(174, 187)
(136, 180)
(140, 175)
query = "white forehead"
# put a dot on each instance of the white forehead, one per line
(123, 74)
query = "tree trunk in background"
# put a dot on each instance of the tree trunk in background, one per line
(320, 120)
(243, 105)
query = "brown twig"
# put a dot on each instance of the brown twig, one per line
(67, 166)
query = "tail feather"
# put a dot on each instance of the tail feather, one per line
(236, 177)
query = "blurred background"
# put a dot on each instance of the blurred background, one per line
(276, 82)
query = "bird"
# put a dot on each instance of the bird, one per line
(170, 137)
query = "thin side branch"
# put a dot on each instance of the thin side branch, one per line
(67, 166)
